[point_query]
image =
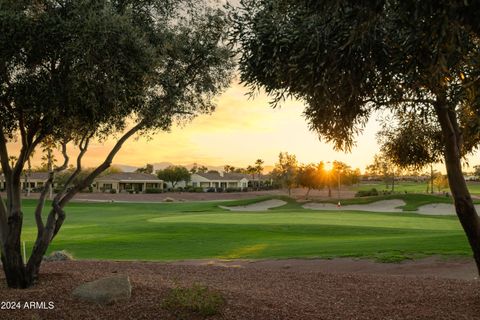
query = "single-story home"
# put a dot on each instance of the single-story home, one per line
(127, 182)
(219, 180)
(35, 180)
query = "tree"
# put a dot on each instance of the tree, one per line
(194, 168)
(147, 169)
(174, 174)
(259, 169)
(410, 142)
(384, 166)
(228, 168)
(476, 171)
(441, 182)
(311, 176)
(347, 59)
(79, 71)
(202, 169)
(285, 171)
(251, 170)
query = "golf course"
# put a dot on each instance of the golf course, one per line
(204, 230)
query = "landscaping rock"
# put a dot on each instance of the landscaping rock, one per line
(105, 290)
(168, 199)
(58, 256)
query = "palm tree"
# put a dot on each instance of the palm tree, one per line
(259, 168)
(252, 170)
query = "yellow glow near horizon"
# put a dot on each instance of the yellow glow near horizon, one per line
(240, 131)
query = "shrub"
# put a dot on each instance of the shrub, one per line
(112, 191)
(153, 190)
(232, 189)
(193, 301)
(196, 189)
(367, 193)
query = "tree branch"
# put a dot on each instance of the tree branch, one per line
(45, 190)
(102, 167)
(56, 216)
(83, 146)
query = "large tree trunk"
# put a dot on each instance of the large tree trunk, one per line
(12, 261)
(463, 201)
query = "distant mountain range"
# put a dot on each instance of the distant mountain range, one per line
(163, 165)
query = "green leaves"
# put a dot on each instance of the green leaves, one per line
(347, 58)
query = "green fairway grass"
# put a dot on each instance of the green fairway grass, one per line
(410, 186)
(173, 231)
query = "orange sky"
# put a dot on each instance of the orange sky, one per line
(240, 131)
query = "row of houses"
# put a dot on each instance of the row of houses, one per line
(140, 182)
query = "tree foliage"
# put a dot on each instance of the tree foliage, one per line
(147, 169)
(75, 71)
(174, 174)
(285, 171)
(346, 59)
(349, 59)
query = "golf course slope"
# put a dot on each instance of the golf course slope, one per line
(378, 206)
(259, 206)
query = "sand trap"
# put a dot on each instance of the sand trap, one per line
(379, 206)
(259, 206)
(440, 209)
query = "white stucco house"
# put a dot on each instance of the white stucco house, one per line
(219, 180)
(35, 180)
(127, 182)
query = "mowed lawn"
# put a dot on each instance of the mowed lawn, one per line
(174, 231)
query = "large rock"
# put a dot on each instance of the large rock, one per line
(58, 256)
(105, 290)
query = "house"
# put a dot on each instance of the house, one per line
(221, 180)
(127, 182)
(36, 180)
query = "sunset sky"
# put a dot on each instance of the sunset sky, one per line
(241, 130)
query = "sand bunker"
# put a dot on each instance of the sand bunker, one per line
(259, 206)
(440, 209)
(379, 206)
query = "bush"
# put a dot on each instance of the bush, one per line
(153, 190)
(233, 190)
(211, 190)
(195, 301)
(367, 193)
(112, 191)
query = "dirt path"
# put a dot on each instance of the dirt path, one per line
(259, 291)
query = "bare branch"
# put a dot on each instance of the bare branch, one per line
(41, 205)
(66, 158)
(83, 146)
(102, 167)
(46, 189)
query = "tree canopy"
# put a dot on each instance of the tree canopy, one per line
(174, 174)
(73, 71)
(349, 59)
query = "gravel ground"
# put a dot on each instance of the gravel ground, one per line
(251, 293)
